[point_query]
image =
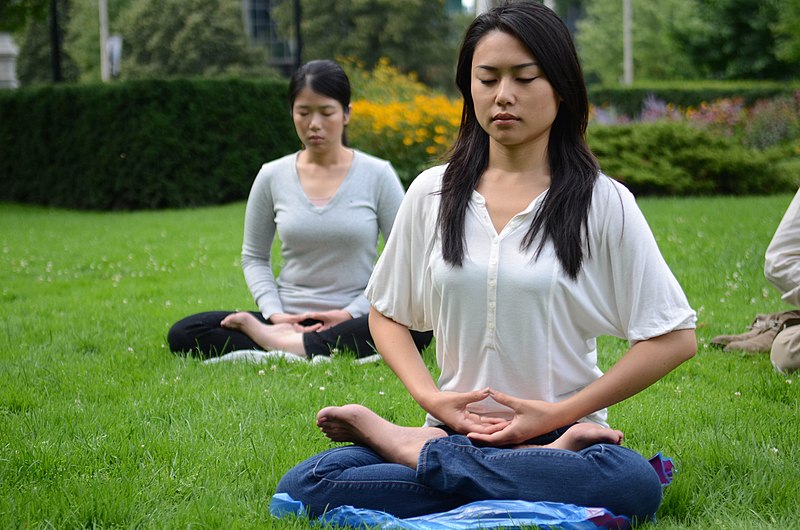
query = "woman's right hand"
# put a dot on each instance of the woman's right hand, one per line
(286, 318)
(451, 408)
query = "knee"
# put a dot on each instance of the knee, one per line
(301, 485)
(785, 351)
(644, 490)
(178, 338)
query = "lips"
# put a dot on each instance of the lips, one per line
(504, 117)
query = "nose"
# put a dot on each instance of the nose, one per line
(315, 122)
(505, 92)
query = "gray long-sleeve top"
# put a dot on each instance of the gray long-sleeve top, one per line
(328, 252)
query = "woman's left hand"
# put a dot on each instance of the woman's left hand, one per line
(328, 318)
(531, 418)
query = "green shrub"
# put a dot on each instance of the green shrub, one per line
(677, 159)
(630, 100)
(140, 144)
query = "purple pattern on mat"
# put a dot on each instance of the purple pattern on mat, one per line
(664, 468)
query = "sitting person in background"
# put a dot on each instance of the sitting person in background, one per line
(782, 269)
(777, 333)
(327, 203)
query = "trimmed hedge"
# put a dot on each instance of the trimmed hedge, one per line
(140, 144)
(664, 158)
(179, 143)
(629, 100)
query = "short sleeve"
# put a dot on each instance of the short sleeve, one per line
(400, 285)
(647, 299)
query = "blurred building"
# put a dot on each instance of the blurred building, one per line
(263, 31)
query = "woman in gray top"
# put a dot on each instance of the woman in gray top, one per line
(327, 203)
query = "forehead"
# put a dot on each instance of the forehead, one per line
(308, 98)
(498, 49)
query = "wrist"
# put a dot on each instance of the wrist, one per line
(427, 398)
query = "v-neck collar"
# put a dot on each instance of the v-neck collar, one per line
(335, 197)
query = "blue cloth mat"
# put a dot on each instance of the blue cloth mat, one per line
(480, 514)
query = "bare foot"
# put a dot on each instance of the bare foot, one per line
(359, 425)
(268, 336)
(581, 436)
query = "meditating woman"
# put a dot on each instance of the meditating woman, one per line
(327, 203)
(518, 253)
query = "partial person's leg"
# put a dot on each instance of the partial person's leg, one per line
(402, 445)
(358, 476)
(583, 466)
(269, 336)
(201, 334)
(600, 475)
(785, 352)
(352, 335)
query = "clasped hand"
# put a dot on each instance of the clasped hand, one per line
(530, 418)
(326, 319)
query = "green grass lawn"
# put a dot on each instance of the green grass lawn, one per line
(100, 426)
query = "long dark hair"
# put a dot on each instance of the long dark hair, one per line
(564, 212)
(323, 77)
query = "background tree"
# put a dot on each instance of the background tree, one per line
(657, 51)
(734, 39)
(416, 35)
(83, 34)
(35, 60)
(15, 14)
(787, 31)
(169, 38)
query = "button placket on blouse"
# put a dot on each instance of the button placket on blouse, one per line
(491, 289)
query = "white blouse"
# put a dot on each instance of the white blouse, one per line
(519, 324)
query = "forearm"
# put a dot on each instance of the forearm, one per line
(644, 364)
(394, 343)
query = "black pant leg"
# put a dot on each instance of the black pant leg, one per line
(202, 335)
(352, 335)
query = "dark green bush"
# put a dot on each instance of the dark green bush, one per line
(665, 158)
(629, 100)
(140, 144)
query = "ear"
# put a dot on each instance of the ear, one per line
(347, 112)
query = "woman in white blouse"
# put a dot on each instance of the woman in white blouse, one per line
(518, 253)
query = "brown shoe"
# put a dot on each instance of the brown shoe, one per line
(767, 330)
(759, 325)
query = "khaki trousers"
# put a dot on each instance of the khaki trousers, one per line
(785, 352)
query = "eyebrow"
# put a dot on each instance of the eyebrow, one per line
(515, 67)
(315, 106)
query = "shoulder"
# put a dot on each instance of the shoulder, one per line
(372, 164)
(275, 168)
(610, 197)
(606, 187)
(428, 183)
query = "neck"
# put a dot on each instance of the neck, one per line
(521, 159)
(329, 158)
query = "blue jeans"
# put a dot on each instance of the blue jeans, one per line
(451, 472)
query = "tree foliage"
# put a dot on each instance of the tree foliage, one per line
(735, 39)
(173, 38)
(83, 34)
(35, 59)
(15, 14)
(690, 39)
(657, 53)
(787, 32)
(415, 35)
